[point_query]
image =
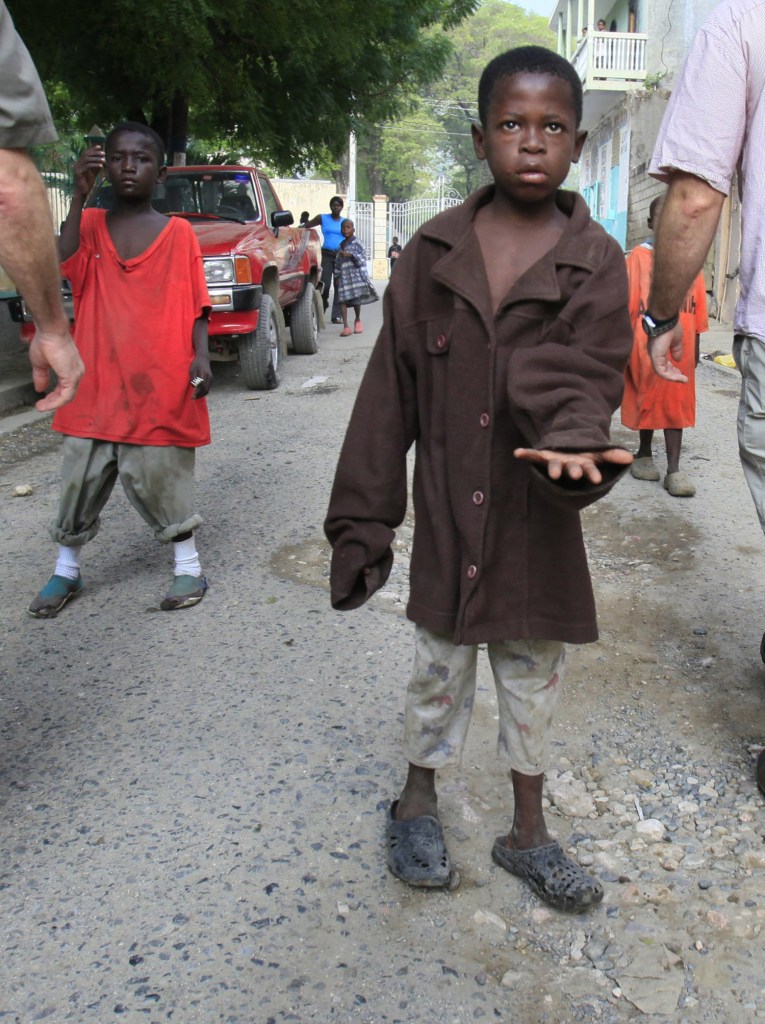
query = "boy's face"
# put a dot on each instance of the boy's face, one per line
(132, 166)
(530, 138)
(347, 228)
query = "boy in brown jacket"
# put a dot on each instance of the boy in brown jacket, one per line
(501, 358)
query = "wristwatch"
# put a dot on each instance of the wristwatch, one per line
(653, 327)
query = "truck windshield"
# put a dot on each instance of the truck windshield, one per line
(206, 193)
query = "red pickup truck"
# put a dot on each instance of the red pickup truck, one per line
(262, 274)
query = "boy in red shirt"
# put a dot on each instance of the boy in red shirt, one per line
(141, 308)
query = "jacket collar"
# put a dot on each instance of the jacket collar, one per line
(462, 269)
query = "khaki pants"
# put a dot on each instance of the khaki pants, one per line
(441, 693)
(158, 481)
(749, 354)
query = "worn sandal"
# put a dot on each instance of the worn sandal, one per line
(417, 852)
(552, 875)
(357, 328)
(54, 596)
(644, 469)
(184, 592)
(678, 485)
(345, 333)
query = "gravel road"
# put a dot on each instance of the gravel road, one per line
(192, 804)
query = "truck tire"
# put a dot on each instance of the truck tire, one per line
(260, 350)
(304, 325)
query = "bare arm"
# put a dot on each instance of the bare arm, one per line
(314, 222)
(28, 254)
(27, 243)
(685, 232)
(85, 170)
(200, 366)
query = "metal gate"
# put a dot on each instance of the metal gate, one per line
(405, 218)
(363, 217)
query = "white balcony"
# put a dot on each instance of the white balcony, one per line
(608, 63)
(611, 60)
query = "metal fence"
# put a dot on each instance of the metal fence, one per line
(405, 218)
(57, 171)
(363, 217)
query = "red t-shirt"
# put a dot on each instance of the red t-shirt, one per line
(133, 324)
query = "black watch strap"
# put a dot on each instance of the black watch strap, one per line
(653, 326)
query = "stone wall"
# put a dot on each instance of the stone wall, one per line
(645, 110)
(298, 194)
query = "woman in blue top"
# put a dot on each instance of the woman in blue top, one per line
(330, 228)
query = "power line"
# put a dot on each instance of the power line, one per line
(420, 128)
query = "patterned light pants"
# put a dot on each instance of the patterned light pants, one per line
(441, 693)
(749, 354)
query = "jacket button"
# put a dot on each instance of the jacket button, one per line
(472, 572)
(478, 497)
(484, 420)
(441, 341)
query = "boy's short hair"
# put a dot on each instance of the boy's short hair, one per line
(536, 59)
(140, 129)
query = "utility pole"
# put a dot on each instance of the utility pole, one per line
(351, 197)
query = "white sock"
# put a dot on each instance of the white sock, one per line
(68, 562)
(186, 558)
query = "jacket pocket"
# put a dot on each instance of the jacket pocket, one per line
(437, 341)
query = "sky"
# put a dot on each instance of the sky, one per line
(543, 7)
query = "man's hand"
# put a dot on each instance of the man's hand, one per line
(659, 350)
(574, 465)
(54, 350)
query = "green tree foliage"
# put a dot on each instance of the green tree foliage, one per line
(396, 159)
(291, 77)
(449, 105)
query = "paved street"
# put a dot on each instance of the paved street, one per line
(192, 804)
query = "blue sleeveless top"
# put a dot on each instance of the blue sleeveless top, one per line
(330, 228)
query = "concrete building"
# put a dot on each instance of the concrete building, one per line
(628, 54)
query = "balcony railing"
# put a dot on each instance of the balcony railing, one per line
(611, 60)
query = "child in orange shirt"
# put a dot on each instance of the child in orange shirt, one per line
(650, 403)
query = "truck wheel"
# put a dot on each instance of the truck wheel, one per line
(260, 350)
(304, 325)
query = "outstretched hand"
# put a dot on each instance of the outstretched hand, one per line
(574, 465)
(659, 350)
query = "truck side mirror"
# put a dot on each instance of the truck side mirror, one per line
(282, 219)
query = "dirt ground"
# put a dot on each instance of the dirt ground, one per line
(192, 806)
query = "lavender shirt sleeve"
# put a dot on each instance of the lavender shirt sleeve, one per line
(703, 128)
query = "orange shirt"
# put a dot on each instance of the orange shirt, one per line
(133, 327)
(650, 403)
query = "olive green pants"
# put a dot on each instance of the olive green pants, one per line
(158, 482)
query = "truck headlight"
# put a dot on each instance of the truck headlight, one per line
(219, 271)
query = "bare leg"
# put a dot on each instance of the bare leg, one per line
(646, 439)
(344, 313)
(673, 439)
(357, 312)
(529, 828)
(418, 796)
